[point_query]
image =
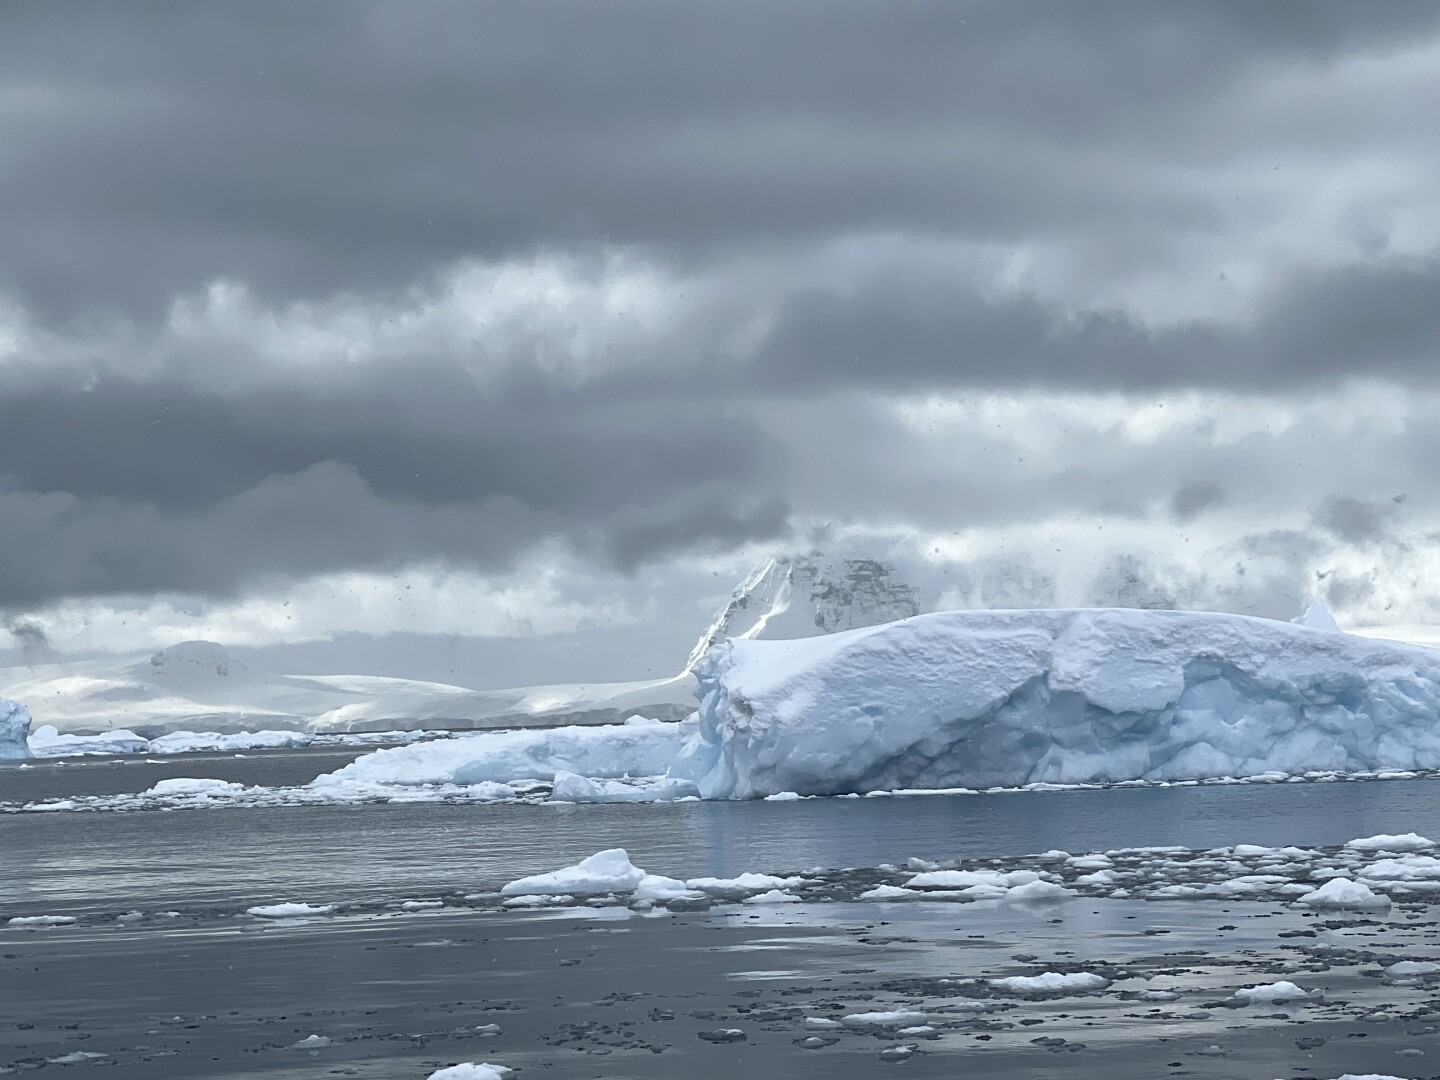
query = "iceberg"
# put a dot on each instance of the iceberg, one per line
(979, 699)
(14, 729)
(635, 748)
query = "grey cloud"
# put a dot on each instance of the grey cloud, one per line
(422, 432)
(357, 145)
(30, 636)
(320, 520)
(917, 328)
(1355, 521)
(1194, 499)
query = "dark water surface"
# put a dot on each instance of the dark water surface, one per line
(75, 862)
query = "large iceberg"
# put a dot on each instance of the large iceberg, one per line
(14, 729)
(1006, 698)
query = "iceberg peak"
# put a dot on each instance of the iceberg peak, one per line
(798, 596)
(1317, 616)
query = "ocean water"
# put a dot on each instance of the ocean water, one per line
(77, 862)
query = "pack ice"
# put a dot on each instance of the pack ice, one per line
(1007, 698)
(14, 729)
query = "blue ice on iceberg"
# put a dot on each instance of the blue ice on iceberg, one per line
(14, 729)
(1006, 698)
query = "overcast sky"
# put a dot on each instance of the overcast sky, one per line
(493, 342)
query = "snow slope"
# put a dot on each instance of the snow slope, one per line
(1005, 698)
(198, 685)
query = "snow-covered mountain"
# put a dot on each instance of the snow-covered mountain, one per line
(806, 596)
(199, 685)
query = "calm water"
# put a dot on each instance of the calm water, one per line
(111, 861)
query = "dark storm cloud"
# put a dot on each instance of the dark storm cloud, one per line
(353, 145)
(178, 447)
(921, 329)
(129, 487)
(351, 153)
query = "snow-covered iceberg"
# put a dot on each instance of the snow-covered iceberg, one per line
(14, 729)
(1006, 698)
(635, 748)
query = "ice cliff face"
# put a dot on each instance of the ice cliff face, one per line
(1004, 698)
(804, 596)
(14, 729)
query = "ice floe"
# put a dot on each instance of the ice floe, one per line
(1051, 982)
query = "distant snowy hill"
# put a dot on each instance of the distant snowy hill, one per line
(806, 596)
(199, 685)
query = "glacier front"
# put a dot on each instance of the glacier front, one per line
(1006, 698)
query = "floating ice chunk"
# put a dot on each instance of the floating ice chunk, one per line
(42, 920)
(571, 787)
(539, 901)
(962, 879)
(192, 742)
(471, 1070)
(1339, 893)
(742, 885)
(182, 786)
(47, 741)
(1404, 868)
(75, 1057)
(1051, 982)
(1034, 892)
(1407, 968)
(784, 796)
(606, 752)
(896, 1018)
(1272, 993)
(821, 1023)
(774, 896)
(658, 889)
(609, 871)
(290, 911)
(14, 730)
(311, 1042)
(1251, 851)
(894, 892)
(1383, 842)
